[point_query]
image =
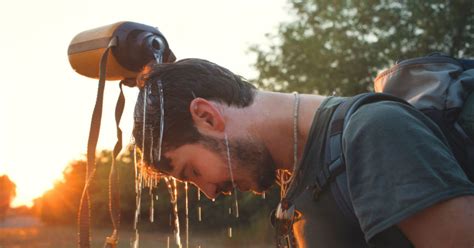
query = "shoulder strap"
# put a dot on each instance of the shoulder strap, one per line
(334, 162)
(334, 157)
(467, 64)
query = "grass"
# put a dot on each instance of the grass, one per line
(65, 236)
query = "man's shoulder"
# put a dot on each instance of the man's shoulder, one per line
(379, 112)
(385, 111)
(386, 117)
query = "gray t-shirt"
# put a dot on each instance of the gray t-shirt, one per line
(397, 164)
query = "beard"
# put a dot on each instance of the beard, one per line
(249, 159)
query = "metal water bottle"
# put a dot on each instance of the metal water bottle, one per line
(134, 46)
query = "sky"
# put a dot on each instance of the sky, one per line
(46, 107)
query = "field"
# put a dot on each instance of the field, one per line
(28, 232)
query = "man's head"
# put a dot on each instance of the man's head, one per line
(196, 93)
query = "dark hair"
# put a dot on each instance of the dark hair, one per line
(181, 82)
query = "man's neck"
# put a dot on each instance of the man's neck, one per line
(272, 116)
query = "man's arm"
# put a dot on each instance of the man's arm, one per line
(446, 224)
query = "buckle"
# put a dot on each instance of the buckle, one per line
(283, 219)
(317, 190)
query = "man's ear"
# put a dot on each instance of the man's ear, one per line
(206, 116)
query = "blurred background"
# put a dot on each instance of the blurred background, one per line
(313, 46)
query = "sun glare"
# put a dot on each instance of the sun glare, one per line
(31, 186)
(47, 110)
(34, 175)
(28, 190)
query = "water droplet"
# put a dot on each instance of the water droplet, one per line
(152, 208)
(199, 214)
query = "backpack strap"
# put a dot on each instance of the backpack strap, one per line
(334, 161)
(467, 64)
(334, 157)
(340, 193)
(468, 163)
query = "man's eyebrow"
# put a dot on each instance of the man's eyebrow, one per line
(165, 165)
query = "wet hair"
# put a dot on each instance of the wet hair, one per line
(181, 82)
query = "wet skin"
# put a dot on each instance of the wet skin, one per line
(208, 170)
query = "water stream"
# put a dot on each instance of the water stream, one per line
(187, 213)
(173, 190)
(234, 186)
(199, 205)
(143, 178)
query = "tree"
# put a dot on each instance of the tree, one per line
(338, 46)
(7, 194)
(60, 204)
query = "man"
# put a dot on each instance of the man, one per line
(405, 186)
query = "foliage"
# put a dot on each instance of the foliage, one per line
(338, 46)
(7, 194)
(60, 205)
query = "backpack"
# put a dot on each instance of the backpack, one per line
(441, 87)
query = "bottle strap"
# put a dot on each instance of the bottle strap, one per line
(84, 205)
(114, 193)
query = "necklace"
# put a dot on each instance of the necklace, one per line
(284, 176)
